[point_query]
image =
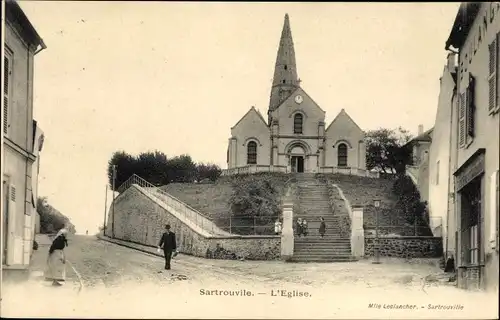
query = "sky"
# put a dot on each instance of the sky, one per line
(175, 77)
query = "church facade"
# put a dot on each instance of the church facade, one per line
(294, 138)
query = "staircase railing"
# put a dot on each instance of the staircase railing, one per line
(199, 219)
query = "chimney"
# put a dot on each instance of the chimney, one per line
(420, 129)
(451, 59)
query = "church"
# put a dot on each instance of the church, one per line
(294, 138)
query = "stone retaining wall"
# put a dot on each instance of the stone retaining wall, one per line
(141, 220)
(405, 247)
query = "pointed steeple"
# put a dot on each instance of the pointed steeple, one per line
(285, 79)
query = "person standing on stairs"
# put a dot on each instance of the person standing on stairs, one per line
(304, 227)
(322, 227)
(169, 245)
(298, 227)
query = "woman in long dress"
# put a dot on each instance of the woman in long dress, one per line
(56, 261)
(322, 227)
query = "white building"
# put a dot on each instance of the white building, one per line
(22, 139)
(474, 151)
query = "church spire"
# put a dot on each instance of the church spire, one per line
(285, 79)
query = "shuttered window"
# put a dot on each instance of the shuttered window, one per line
(6, 91)
(493, 74)
(461, 120)
(471, 106)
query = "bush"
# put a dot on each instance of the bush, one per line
(409, 202)
(255, 204)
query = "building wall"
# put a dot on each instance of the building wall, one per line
(473, 59)
(451, 238)
(140, 219)
(343, 129)
(18, 147)
(20, 91)
(250, 128)
(439, 156)
(420, 152)
(312, 116)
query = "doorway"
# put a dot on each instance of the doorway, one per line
(5, 222)
(471, 233)
(297, 164)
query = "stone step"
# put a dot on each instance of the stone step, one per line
(324, 259)
(326, 253)
(322, 243)
(316, 236)
(313, 193)
(322, 246)
(324, 240)
(309, 197)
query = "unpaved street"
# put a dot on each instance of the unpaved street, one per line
(122, 282)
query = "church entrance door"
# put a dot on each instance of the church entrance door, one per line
(297, 164)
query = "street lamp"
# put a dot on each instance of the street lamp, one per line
(376, 204)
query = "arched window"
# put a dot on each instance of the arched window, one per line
(297, 123)
(342, 155)
(252, 152)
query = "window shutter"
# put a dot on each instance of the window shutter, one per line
(493, 74)
(6, 95)
(12, 193)
(471, 106)
(497, 207)
(493, 210)
(497, 72)
(461, 120)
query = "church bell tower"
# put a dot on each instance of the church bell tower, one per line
(285, 79)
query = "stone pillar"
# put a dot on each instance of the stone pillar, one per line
(287, 237)
(276, 160)
(357, 232)
(361, 155)
(233, 152)
(321, 144)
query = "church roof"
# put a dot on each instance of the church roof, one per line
(252, 109)
(343, 113)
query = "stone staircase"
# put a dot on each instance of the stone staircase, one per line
(313, 203)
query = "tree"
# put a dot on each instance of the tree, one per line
(157, 169)
(207, 171)
(51, 220)
(125, 167)
(152, 166)
(409, 201)
(387, 149)
(181, 169)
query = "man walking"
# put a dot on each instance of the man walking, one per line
(169, 245)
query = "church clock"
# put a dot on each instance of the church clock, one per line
(299, 99)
